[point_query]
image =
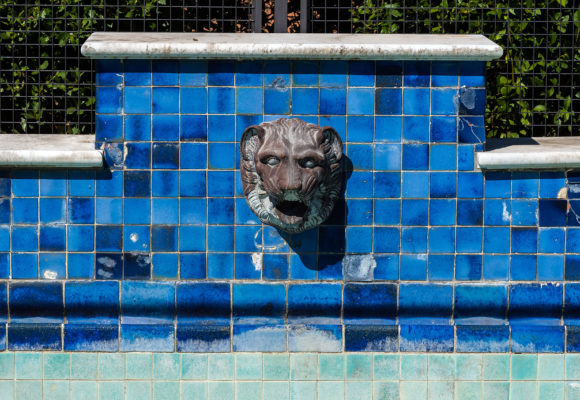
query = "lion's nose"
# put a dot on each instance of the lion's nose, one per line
(291, 180)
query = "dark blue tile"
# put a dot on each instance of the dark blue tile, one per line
(137, 100)
(138, 155)
(91, 337)
(415, 212)
(137, 266)
(333, 101)
(4, 304)
(471, 130)
(573, 339)
(109, 183)
(137, 183)
(388, 101)
(442, 212)
(430, 338)
(24, 266)
(203, 338)
(164, 238)
(551, 240)
(80, 265)
(203, 302)
(360, 212)
(109, 72)
(480, 305)
(496, 240)
(553, 212)
(24, 238)
(535, 304)
(165, 266)
(389, 73)
(551, 183)
(524, 184)
(417, 73)
(165, 100)
(472, 73)
(4, 265)
(275, 266)
(193, 100)
(550, 267)
(359, 239)
(442, 240)
(249, 73)
(193, 73)
(81, 183)
(109, 238)
(222, 155)
(425, 304)
(537, 339)
(369, 302)
(572, 304)
(360, 129)
(24, 183)
(468, 267)
(192, 238)
(137, 211)
(495, 267)
(305, 101)
(277, 73)
(471, 101)
(387, 157)
(192, 265)
(220, 183)
(92, 302)
(136, 238)
(498, 184)
(444, 73)
(80, 238)
(52, 183)
(193, 127)
(303, 266)
(415, 156)
(52, 238)
(137, 72)
(36, 302)
(109, 128)
(6, 186)
(482, 339)
(523, 267)
(470, 185)
(193, 156)
(465, 158)
(244, 267)
(331, 239)
(469, 240)
(524, 212)
(193, 211)
(34, 337)
(443, 184)
(440, 267)
(386, 212)
(220, 210)
(361, 73)
(333, 73)
(414, 240)
(387, 267)
(4, 238)
(524, 240)
(165, 72)
(415, 129)
(387, 185)
(221, 100)
(220, 238)
(305, 73)
(165, 183)
(388, 129)
(165, 155)
(572, 238)
(108, 266)
(166, 127)
(24, 211)
(220, 73)
(371, 338)
(147, 302)
(158, 338)
(443, 157)
(469, 212)
(305, 242)
(443, 129)
(312, 302)
(220, 265)
(249, 101)
(259, 302)
(360, 101)
(415, 101)
(109, 100)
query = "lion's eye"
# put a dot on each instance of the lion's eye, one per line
(271, 161)
(307, 163)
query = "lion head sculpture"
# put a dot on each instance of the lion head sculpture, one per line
(291, 172)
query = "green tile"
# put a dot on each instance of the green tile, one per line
(56, 390)
(385, 390)
(468, 367)
(112, 366)
(551, 390)
(441, 390)
(7, 389)
(28, 390)
(138, 390)
(83, 390)
(330, 390)
(6, 365)
(495, 391)
(165, 390)
(413, 367)
(276, 390)
(28, 366)
(302, 390)
(523, 390)
(138, 366)
(524, 366)
(276, 367)
(83, 366)
(331, 367)
(248, 390)
(572, 367)
(551, 367)
(166, 366)
(413, 390)
(220, 390)
(248, 366)
(359, 390)
(56, 365)
(303, 366)
(386, 366)
(468, 390)
(111, 391)
(359, 366)
(221, 366)
(193, 390)
(572, 390)
(441, 367)
(194, 366)
(496, 367)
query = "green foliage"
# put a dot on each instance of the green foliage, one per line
(530, 89)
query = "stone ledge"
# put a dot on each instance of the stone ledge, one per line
(530, 153)
(290, 46)
(49, 151)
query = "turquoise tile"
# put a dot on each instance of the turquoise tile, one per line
(496, 367)
(166, 366)
(302, 390)
(220, 366)
(551, 367)
(55, 390)
(248, 390)
(193, 390)
(112, 366)
(572, 367)
(7, 389)
(83, 390)
(276, 390)
(303, 367)
(28, 390)
(359, 390)
(83, 366)
(359, 366)
(386, 366)
(194, 366)
(572, 390)
(385, 390)
(6, 365)
(220, 390)
(111, 390)
(524, 366)
(441, 367)
(330, 390)
(138, 366)
(413, 367)
(28, 366)
(56, 365)
(165, 390)
(468, 390)
(248, 366)
(468, 367)
(523, 390)
(496, 390)
(138, 390)
(551, 390)
(331, 367)
(441, 390)
(413, 390)
(276, 367)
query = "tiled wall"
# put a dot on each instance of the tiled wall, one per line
(160, 252)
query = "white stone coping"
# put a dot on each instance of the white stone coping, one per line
(290, 46)
(531, 153)
(49, 151)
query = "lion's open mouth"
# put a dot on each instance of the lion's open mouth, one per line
(291, 212)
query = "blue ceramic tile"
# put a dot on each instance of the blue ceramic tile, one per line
(532, 304)
(465, 157)
(416, 101)
(109, 100)
(203, 338)
(361, 73)
(221, 100)
(471, 130)
(52, 238)
(389, 73)
(165, 155)
(443, 185)
(524, 185)
(193, 156)
(24, 211)
(192, 211)
(572, 304)
(360, 184)
(388, 129)
(34, 337)
(166, 127)
(413, 267)
(380, 301)
(388, 101)
(52, 183)
(469, 212)
(469, 240)
(480, 305)
(81, 183)
(24, 238)
(80, 238)
(415, 184)
(164, 238)
(192, 73)
(220, 238)
(220, 210)
(308, 302)
(151, 338)
(137, 100)
(468, 267)
(80, 265)
(443, 129)
(523, 267)
(472, 73)
(524, 240)
(444, 73)
(387, 157)
(415, 128)
(426, 338)
(158, 296)
(359, 239)
(332, 101)
(108, 238)
(192, 265)
(220, 183)
(109, 128)
(386, 212)
(360, 129)
(550, 267)
(4, 265)
(275, 266)
(221, 156)
(24, 183)
(383, 338)
(425, 303)
(495, 267)
(277, 73)
(443, 157)
(482, 338)
(524, 212)
(417, 73)
(137, 211)
(192, 127)
(442, 212)
(220, 73)
(165, 72)
(469, 185)
(414, 212)
(192, 100)
(5, 211)
(109, 72)
(203, 302)
(387, 185)
(222, 128)
(471, 101)
(137, 72)
(137, 183)
(541, 339)
(333, 73)
(440, 267)
(441, 240)
(90, 337)
(24, 266)
(254, 301)
(360, 101)
(4, 238)
(136, 238)
(552, 212)
(244, 267)
(496, 240)
(361, 156)
(192, 238)
(497, 212)
(109, 183)
(165, 266)
(386, 240)
(551, 240)
(138, 155)
(551, 183)
(165, 100)
(249, 101)
(92, 302)
(37, 302)
(165, 183)
(305, 101)
(413, 240)
(108, 266)
(415, 157)
(249, 73)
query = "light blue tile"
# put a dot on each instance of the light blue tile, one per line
(83, 366)
(248, 390)
(441, 367)
(302, 390)
(468, 367)
(386, 366)
(111, 391)
(496, 390)
(524, 366)
(386, 390)
(359, 390)
(165, 390)
(28, 390)
(413, 390)
(524, 390)
(112, 366)
(220, 390)
(138, 390)
(496, 367)
(56, 390)
(330, 390)
(166, 366)
(6, 365)
(138, 366)
(551, 367)
(331, 367)
(276, 367)
(441, 390)
(276, 390)
(551, 390)
(221, 366)
(359, 366)
(468, 390)
(413, 367)
(572, 367)
(7, 389)
(248, 366)
(28, 366)
(83, 390)
(303, 366)
(193, 390)
(573, 391)
(194, 366)
(56, 365)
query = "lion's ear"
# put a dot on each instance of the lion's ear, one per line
(250, 139)
(331, 138)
